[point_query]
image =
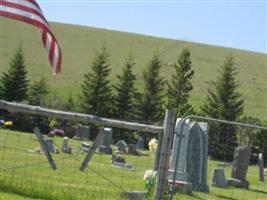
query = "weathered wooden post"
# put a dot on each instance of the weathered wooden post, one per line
(44, 147)
(165, 151)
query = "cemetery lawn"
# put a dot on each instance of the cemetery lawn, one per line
(25, 174)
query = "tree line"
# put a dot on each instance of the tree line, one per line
(123, 100)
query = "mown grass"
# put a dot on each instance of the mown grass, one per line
(25, 174)
(79, 44)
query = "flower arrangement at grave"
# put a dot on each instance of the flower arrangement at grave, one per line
(153, 144)
(150, 180)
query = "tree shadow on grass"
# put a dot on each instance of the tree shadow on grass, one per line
(225, 197)
(258, 191)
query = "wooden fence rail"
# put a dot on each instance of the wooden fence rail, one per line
(78, 117)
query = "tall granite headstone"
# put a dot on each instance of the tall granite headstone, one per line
(105, 143)
(240, 167)
(197, 156)
(193, 156)
(181, 173)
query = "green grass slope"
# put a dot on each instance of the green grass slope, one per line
(79, 44)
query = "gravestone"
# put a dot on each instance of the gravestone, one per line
(117, 158)
(121, 165)
(132, 149)
(49, 145)
(105, 143)
(181, 173)
(122, 145)
(193, 156)
(82, 132)
(65, 146)
(218, 178)
(197, 156)
(261, 167)
(240, 167)
(85, 147)
(140, 143)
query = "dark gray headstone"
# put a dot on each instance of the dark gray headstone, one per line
(107, 139)
(49, 145)
(240, 163)
(261, 167)
(240, 167)
(140, 143)
(132, 149)
(122, 145)
(218, 178)
(197, 156)
(82, 132)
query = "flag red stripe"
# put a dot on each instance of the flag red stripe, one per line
(51, 51)
(24, 8)
(26, 20)
(45, 29)
(44, 37)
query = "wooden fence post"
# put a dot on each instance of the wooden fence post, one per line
(39, 136)
(92, 150)
(165, 151)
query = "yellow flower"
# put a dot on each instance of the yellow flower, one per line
(8, 123)
(153, 143)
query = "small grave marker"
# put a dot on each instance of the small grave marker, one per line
(261, 167)
(218, 178)
(122, 145)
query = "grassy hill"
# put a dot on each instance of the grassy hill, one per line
(79, 44)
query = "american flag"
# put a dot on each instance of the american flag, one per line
(29, 11)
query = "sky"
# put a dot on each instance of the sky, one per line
(237, 24)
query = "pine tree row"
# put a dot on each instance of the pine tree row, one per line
(123, 101)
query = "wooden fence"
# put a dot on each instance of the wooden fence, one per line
(166, 133)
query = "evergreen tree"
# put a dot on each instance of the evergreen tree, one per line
(125, 91)
(224, 102)
(38, 91)
(14, 84)
(180, 85)
(96, 96)
(152, 101)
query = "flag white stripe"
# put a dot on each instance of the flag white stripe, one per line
(48, 42)
(26, 4)
(55, 59)
(24, 14)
